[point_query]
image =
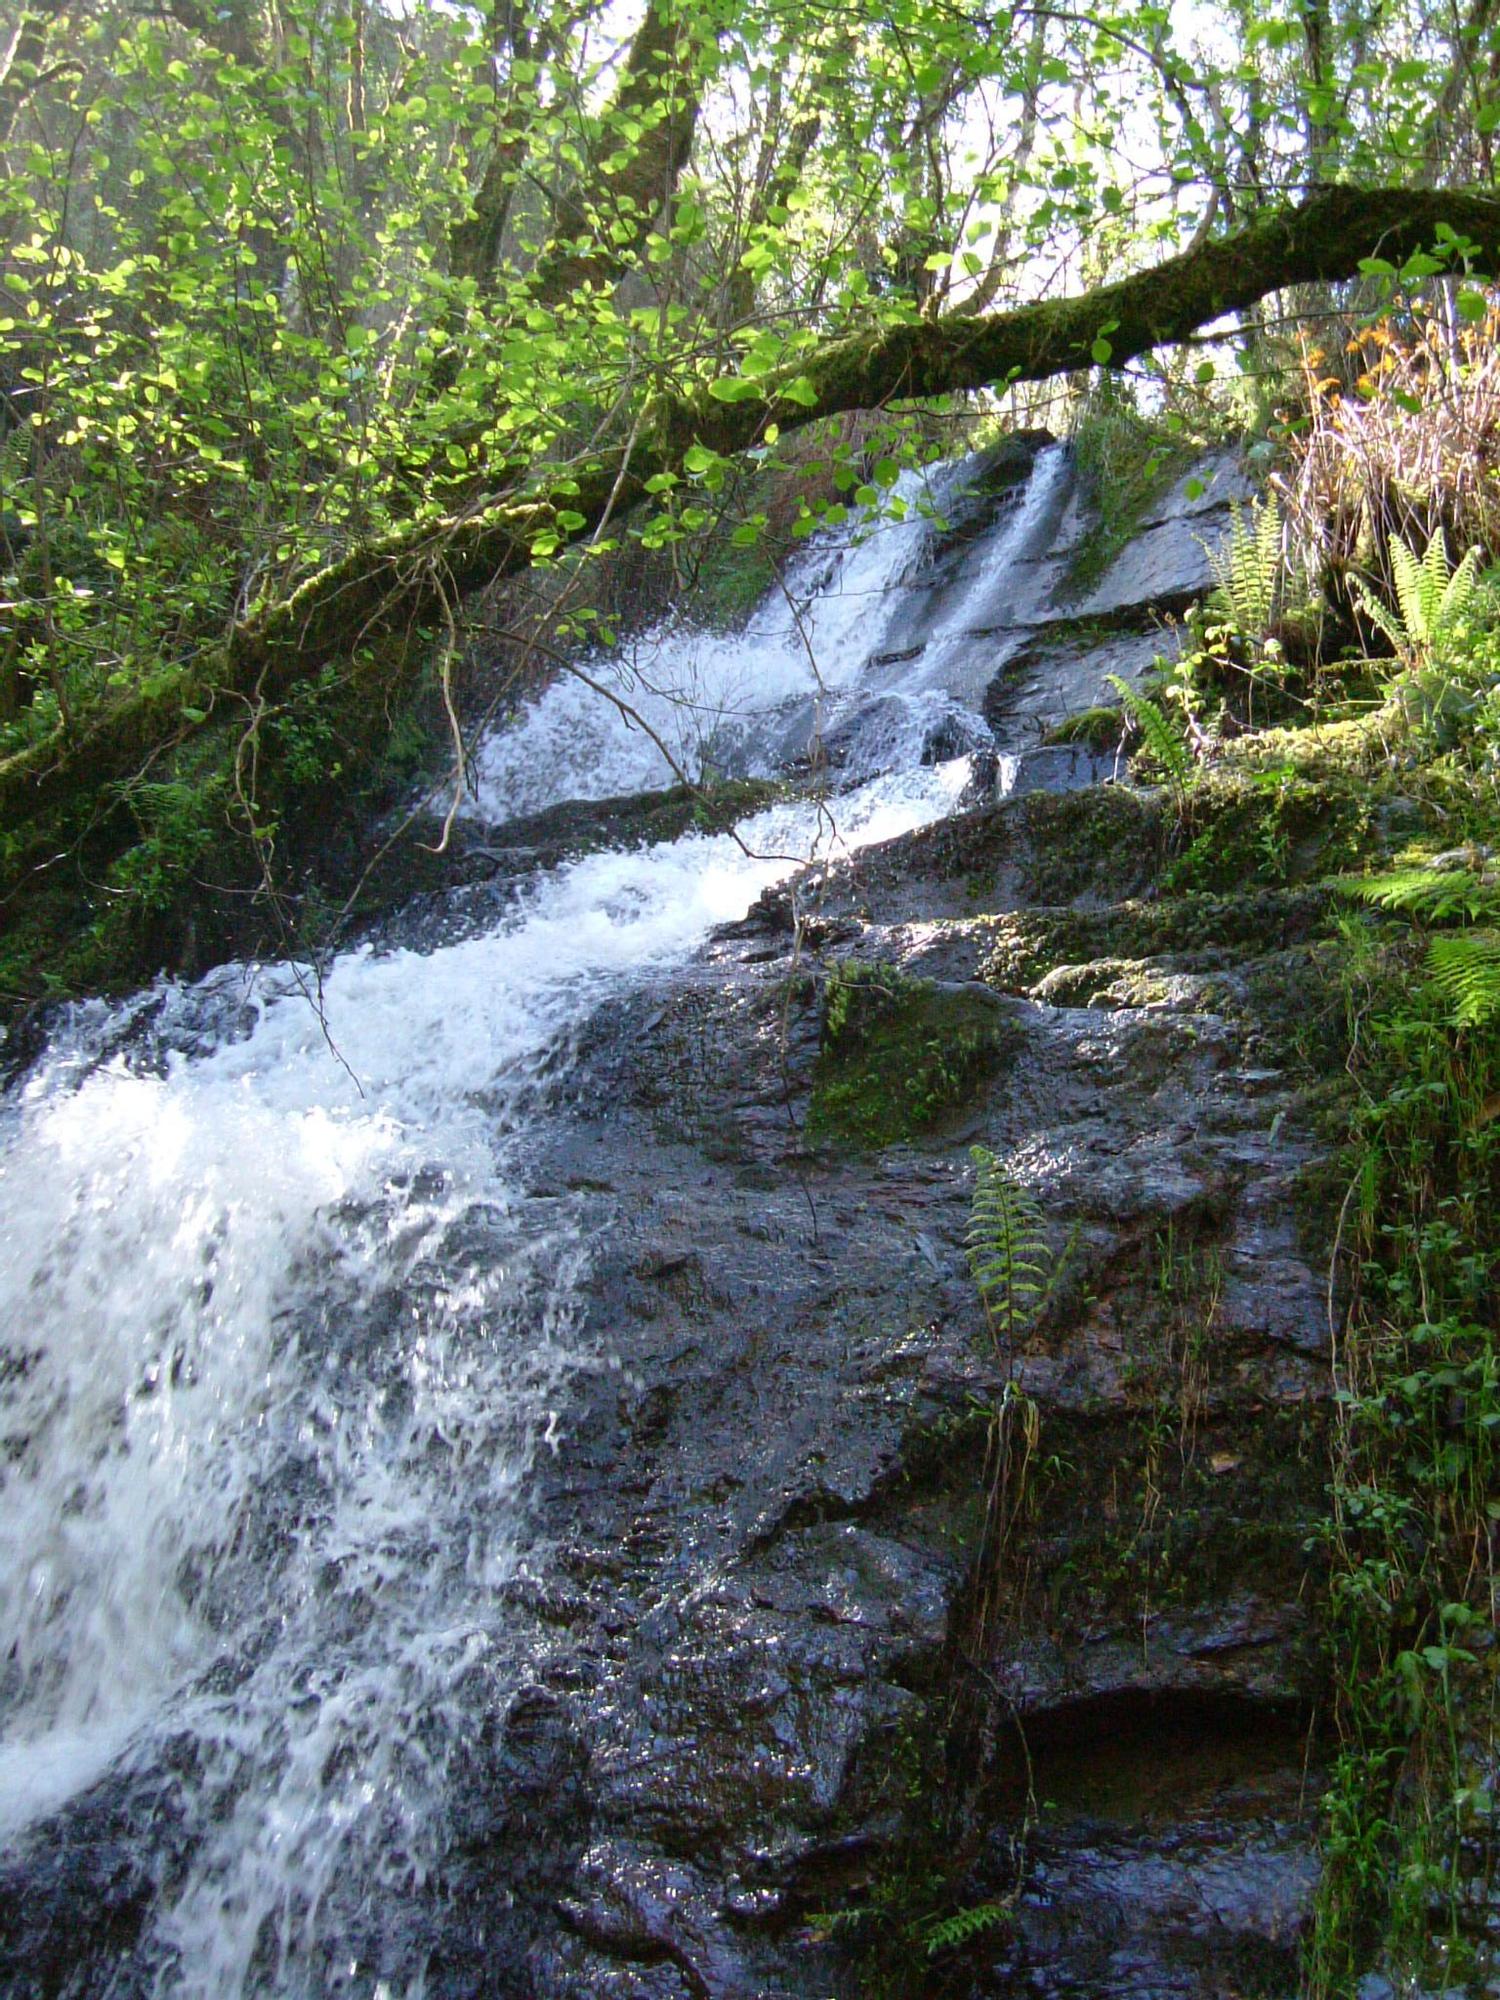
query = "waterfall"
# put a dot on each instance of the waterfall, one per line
(285, 1333)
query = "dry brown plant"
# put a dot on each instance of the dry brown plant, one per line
(1401, 437)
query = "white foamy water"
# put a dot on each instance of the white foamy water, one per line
(1003, 583)
(280, 1355)
(282, 1336)
(694, 702)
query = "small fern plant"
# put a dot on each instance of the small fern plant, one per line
(1465, 968)
(1431, 599)
(1249, 569)
(963, 1926)
(1011, 1261)
(1463, 964)
(1161, 736)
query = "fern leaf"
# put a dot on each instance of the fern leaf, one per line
(1379, 617)
(945, 1933)
(1414, 585)
(1431, 596)
(1465, 966)
(1249, 568)
(1462, 586)
(1163, 740)
(1009, 1257)
(1434, 893)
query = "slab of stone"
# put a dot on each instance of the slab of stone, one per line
(1212, 483)
(1163, 568)
(1055, 675)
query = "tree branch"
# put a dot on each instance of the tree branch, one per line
(394, 590)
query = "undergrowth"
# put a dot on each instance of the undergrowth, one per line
(1409, 1814)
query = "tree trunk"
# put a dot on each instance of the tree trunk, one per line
(659, 91)
(22, 69)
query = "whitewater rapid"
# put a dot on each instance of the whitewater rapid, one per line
(282, 1334)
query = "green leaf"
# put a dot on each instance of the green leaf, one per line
(734, 389)
(801, 391)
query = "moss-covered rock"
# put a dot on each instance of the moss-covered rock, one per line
(1204, 933)
(1090, 845)
(233, 842)
(1280, 827)
(901, 1055)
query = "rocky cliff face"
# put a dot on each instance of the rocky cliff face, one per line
(815, 1710)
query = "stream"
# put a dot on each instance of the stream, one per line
(284, 1338)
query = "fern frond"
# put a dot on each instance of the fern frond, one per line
(1465, 966)
(1249, 568)
(1008, 1252)
(1434, 893)
(1419, 585)
(1163, 740)
(1379, 617)
(1462, 588)
(1431, 596)
(944, 1933)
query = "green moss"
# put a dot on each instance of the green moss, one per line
(163, 871)
(1353, 747)
(1027, 944)
(1126, 982)
(900, 1055)
(1095, 843)
(1125, 466)
(1142, 1523)
(1279, 827)
(730, 583)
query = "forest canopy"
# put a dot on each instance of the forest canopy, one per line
(319, 317)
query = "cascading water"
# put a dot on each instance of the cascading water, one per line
(812, 670)
(282, 1333)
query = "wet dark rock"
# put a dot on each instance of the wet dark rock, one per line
(75, 1892)
(779, 1670)
(1064, 767)
(1065, 671)
(768, 1509)
(890, 731)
